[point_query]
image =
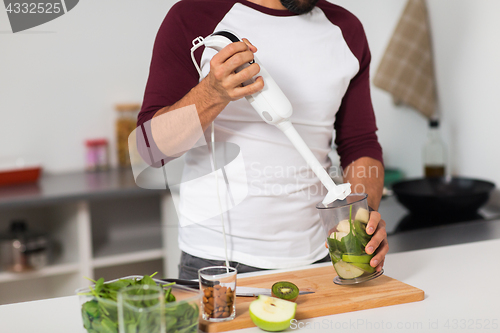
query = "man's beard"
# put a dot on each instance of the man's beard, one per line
(299, 6)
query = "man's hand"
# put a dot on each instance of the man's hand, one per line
(222, 85)
(378, 243)
(366, 175)
(222, 77)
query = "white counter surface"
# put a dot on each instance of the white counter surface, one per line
(461, 284)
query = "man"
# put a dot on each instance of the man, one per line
(318, 54)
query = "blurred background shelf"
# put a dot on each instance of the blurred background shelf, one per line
(127, 258)
(50, 270)
(99, 225)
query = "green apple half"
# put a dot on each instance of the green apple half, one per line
(272, 314)
(347, 270)
(362, 259)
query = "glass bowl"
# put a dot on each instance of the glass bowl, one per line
(100, 315)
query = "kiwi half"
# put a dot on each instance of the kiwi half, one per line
(285, 290)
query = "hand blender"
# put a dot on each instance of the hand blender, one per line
(275, 109)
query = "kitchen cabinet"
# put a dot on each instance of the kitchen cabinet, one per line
(99, 224)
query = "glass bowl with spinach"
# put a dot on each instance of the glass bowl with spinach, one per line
(99, 307)
(344, 222)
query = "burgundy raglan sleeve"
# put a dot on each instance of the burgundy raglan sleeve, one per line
(355, 123)
(172, 73)
(171, 76)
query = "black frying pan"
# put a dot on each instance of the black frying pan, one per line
(444, 197)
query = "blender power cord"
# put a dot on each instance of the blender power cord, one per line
(196, 44)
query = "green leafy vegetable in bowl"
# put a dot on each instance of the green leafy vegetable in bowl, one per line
(100, 308)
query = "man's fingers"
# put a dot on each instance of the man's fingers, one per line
(380, 266)
(236, 79)
(378, 242)
(250, 45)
(228, 51)
(380, 256)
(373, 223)
(223, 69)
(250, 89)
(378, 237)
(238, 60)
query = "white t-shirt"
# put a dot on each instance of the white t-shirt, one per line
(276, 224)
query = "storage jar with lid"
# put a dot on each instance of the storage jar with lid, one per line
(97, 155)
(125, 123)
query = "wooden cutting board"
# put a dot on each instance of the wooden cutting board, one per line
(328, 299)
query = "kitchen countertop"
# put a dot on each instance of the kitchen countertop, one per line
(64, 187)
(393, 213)
(460, 284)
(440, 235)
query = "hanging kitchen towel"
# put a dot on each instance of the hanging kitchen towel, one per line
(406, 69)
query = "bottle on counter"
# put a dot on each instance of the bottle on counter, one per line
(125, 124)
(434, 152)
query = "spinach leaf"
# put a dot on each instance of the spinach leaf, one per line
(360, 232)
(147, 280)
(350, 242)
(335, 245)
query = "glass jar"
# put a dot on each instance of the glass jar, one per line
(97, 155)
(344, 223)
(125, 123)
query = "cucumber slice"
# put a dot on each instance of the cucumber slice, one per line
(366, 267)
(347, 271)
(362, 259)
